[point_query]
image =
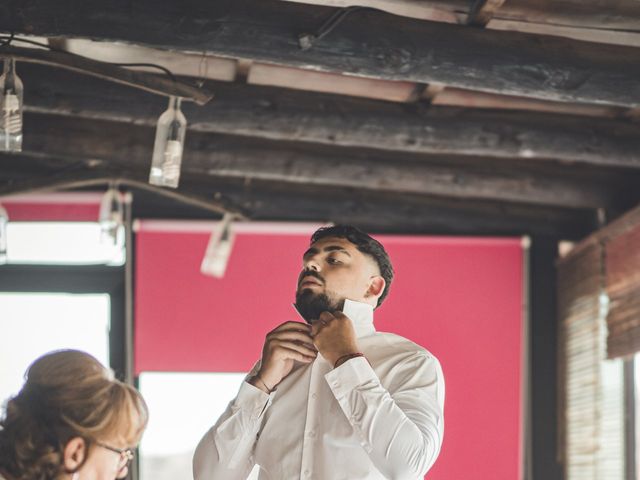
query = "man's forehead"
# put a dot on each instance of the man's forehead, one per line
(331, 243)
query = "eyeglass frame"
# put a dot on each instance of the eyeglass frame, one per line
(125, 453)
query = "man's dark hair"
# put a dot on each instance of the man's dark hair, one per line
(364, 243)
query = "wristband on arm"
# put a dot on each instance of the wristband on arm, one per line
(259, 379)
(346, 357)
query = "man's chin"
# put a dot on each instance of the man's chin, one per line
(311, 304)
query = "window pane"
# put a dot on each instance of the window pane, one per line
(35, 323)
(636, 367)
(68, 243)
(182, 407)
(611, 458)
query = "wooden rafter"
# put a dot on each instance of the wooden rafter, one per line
(410, 50)
(260, 200)
(335, 121)
(124, 146)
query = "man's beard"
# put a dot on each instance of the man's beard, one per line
(310, 305)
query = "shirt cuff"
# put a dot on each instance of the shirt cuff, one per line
(252, 400)
(351, 374)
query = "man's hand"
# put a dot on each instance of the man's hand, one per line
(334, 336)
(284, 345)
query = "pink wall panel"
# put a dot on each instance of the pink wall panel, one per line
(460, 298)
(186, 321)
(53, 207)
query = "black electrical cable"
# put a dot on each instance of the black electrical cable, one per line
(13, 38)
(149, 65)
(7, 39)
(307, 40)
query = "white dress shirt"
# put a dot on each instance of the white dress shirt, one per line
(370, 418)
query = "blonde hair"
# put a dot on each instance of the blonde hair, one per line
(67, 394)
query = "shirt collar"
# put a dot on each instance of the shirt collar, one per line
(361, 314)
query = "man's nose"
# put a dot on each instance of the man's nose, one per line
(312, 264)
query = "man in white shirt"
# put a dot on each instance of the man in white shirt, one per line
(332, 398)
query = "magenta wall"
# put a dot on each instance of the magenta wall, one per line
(53, 207)
(461, 298)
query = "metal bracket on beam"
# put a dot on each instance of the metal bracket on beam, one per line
(482, 11)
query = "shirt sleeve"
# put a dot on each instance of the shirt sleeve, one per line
(226, 450)
(400, 428)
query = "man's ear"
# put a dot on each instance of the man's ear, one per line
(75, 452)
(376, 286)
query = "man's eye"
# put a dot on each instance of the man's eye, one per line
(333, 260)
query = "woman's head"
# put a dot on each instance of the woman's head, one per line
(71, 417)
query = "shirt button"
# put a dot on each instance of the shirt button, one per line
(314, 395)
(311, 433)
(336, 384)
(307, 473)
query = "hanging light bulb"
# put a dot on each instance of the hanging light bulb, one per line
(219, 248)
(10, 108)
(4, 221)
(168, 146)
(111, 217)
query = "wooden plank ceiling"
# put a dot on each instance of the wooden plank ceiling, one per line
(455, 117)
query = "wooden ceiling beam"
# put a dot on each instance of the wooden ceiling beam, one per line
(578, 19)
(273, 201)
(621, 15)
(332, 120)
(216, 156)
(591, 16)
(480, 100)
(409, 50)
(395, 213)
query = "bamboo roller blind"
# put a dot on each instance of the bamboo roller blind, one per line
(609, 261)
(623, 288)
(582, 340)
(599, 317)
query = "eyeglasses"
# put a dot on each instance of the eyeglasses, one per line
(126, 455)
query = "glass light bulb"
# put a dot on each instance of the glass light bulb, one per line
(216, 257)
(168, 146)
(11, 106)
(111, 217)
(4, 222)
